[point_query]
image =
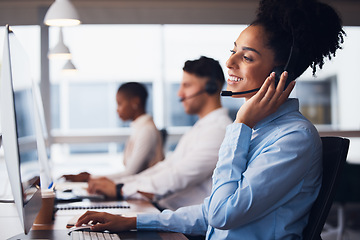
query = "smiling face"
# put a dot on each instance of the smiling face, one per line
(251, 61)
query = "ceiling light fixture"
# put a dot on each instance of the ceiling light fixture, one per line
(62, 13)
(69, 67)
(60, 51)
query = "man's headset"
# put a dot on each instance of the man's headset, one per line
(210, 88)
(289, 67)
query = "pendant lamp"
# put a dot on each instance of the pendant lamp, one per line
(69, 67)
(60, 50)
(62, 13)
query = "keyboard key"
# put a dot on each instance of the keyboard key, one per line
(81, 235)
(115, 236)
(75, 235)
(87, 236)
(100, 236)
(107, 236)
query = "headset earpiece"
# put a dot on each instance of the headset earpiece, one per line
(211, 87)
(289, 66)
(278, 71)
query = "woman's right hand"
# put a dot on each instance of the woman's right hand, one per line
(102, 221)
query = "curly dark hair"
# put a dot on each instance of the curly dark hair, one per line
(315, 28)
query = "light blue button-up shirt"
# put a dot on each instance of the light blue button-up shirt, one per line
(264, 183)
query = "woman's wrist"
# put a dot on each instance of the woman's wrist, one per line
(132, 223)
(237, 120)
(120, 223)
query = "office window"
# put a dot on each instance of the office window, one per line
(318, 100)
(143, 53)
(108, 55)
(55, 106)
(90, 105)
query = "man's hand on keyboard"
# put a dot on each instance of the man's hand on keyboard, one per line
(103, 186)
(105, 221)
(81, 177)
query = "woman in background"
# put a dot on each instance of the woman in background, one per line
(269, 170)
(144, 147)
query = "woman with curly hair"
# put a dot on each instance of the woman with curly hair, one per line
(269, 170)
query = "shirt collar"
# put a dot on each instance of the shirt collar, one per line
(291, 104)
(212, 116)
(140, 120)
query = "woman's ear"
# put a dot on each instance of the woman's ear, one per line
(135, 103)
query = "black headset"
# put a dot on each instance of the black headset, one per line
(211, 86)
(289, 66)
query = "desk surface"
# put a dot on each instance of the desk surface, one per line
(9, 220)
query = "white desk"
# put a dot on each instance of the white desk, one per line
(9, 221)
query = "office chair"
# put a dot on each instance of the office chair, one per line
(164, 135)
(348, 192)
(335, 151)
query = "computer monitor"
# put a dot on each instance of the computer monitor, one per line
(18, 130)
(42, 139)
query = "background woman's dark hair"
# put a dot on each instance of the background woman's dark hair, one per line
(134, 89)
(315, 28)
(206, 67)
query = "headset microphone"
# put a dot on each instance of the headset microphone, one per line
(191, 96)
(230, 93)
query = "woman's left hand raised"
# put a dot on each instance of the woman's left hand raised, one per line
(265, 102)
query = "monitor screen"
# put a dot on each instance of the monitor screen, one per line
(26, 140)
(42, 139)
(19, 132)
